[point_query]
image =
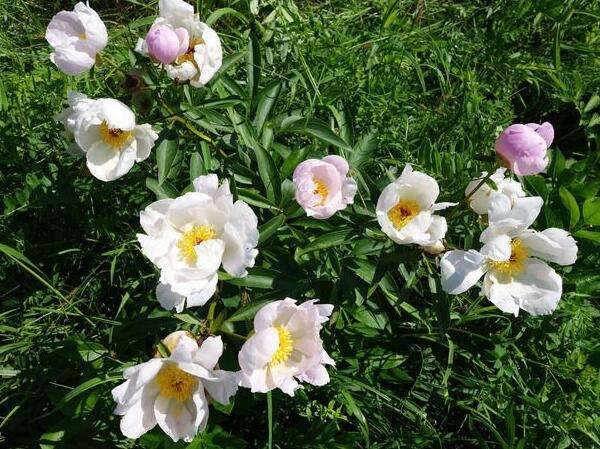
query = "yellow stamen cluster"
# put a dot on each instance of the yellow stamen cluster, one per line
(514, 265)
(114, 137)
(194, 237)
(174, 383)
(188, 56)
(320, 190)
(403, 212)
(286, 346)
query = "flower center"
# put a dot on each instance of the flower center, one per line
(188, 56)
(114, 137)
(175, 383)
(320, 190)
(403, 212)
(193, 237)
(82, 36)
(286, 345)
(514, 264)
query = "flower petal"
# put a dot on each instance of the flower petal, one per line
(537, 289)
(210, 352)
(497, 248)
(460, 270)
(553, 244)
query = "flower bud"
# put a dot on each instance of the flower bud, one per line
(524, 147)
(164, 43)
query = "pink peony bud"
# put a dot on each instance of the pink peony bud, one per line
(524, 147)
(165, 44)
(322, 186)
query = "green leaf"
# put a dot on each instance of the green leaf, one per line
(217, 14)
(165, 155)
(591, 212)
(253, 66)
(247, 312)
(363, 150)
(266, 99)
(269, 228)
(161, 191)
(335, 238)
(592, 236)
(196, 166)
(268, 173)
(570, 204)
(319, 129)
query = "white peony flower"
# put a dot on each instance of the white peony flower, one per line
(189, 237)
(511, 261)
(480, 201)
(286, 348)
(405, 210)
(174, 392)
(204, 55)
(77, 37)
(105, 131)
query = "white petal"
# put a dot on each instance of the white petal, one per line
(258, 350)
(553, 244)
(241, 237)
(175, 419)
(188, 209)
(199, 297)
(108, 164)
(222, 389)
(497, 248)
(418, 187)
(210, 352)
(442, 206)
(175, 9)
(140, 418)
(72, 60)
(116, 114)
(289, 386)
(460, 270)
(266, 316)
(506, 218)
(537, 289)
(339, 163)
(152, 218)
(184, 350)
(317, 375)
(169, 299)
(145, 136)
(207, 184)
(201, 404)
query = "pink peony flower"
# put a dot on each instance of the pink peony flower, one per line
(524, 147)
(322, 187)
(166, 44)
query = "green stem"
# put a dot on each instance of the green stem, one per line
(270, 420)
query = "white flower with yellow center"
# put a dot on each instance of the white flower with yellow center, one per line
(480, 200)
(286, 347)
(204, 55)
(405, 210)
(189, 237)
(174, 392)
(106, 133)
(511, 261)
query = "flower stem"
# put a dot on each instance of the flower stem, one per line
(270, 420)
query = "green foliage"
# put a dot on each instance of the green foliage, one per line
(382, 83)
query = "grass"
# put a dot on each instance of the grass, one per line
(383, 82)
